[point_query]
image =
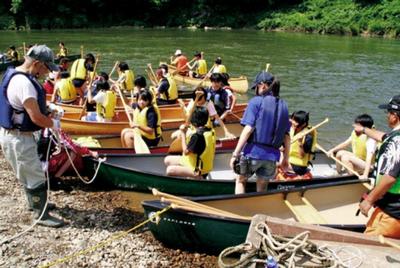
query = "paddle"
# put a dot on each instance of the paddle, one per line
(206, 76)
(384, 240)
(24, 47)
(81, 52)
(152, 72)
(267, 67)
(90, 85)
(151, 78)
(176, 145)
(140, 145)
(179, 202)
(340, 162)
(301, 135)
(113, 69)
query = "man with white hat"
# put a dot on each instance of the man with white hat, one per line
(181, 63)
(23, 111)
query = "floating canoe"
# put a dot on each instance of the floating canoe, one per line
(331, 204)
(110, 143)
(5, 65)
(142, 172)
(172, 118)
(238, 84)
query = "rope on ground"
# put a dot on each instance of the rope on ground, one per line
(288, 252)
(105, 242)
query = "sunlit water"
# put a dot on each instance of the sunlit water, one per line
(329, 76)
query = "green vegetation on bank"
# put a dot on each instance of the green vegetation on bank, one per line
(375, 17)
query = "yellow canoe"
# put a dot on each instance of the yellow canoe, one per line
(172, 118)
(238, 84)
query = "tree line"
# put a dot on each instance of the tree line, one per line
(377, 17)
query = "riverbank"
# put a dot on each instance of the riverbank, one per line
(93, 217)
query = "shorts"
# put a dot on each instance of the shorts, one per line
(381, 223)
(93, 117)
(299, 170)
(264, 169)
(78, 82)
(151, 143)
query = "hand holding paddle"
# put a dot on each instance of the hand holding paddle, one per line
(299, 136)
(140, 145)
(340, 162)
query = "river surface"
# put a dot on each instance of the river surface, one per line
(330, 76)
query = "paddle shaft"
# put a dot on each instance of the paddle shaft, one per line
(113, 69)
(384, 240)
(337, 160)
(140, 145)
(301, 135)
(267, 67)
(204, 211)
(151, 78)
(90, 85)
(152, 72)
(206, 76)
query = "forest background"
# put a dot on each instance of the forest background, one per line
(350, 17)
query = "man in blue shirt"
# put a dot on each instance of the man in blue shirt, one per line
(266, 129)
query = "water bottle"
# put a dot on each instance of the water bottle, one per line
(271, 263)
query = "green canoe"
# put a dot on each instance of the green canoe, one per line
(143, 172)
(335, 204)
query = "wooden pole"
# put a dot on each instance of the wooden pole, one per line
(140, 146)
(113, 69)
(301, 135)
(340, 162)
(267, 67)
(89, 87)
(383, 240)
(205, 77)
(24, 48)
(81, 52)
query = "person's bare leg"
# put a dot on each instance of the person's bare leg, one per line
(180, 171)
(262, 185)
(65, 166)
(127, 138)
(240, 184)
(171, 160)
(339, 156)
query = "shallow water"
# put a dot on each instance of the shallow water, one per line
(330, 76)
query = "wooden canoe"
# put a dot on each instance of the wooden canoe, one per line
(172, 118)
(330, 204)
(112, 143)
(5, 65)
(142, 172)
(238, 84)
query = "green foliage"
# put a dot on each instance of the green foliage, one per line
(337, 17)
(379, 17)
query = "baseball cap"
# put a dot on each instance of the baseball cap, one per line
(262, 77)
(43, 54)
(178, 52)
(393, 105)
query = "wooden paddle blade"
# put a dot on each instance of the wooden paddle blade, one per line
(140, 145)
(175, 147)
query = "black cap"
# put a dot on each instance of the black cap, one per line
(393, 105)
(262, 77)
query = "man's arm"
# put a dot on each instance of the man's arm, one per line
(370, 132)
(32, 108)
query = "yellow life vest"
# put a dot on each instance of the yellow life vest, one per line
(172, 90)
(63, 52)
(127, 84)
(359, 145)
(202, 67)
(66, 90)
(92, 75)
(140, 118)
(78, 69)
(205, 162)
(220, 69)
(107, 108)
(294, 155)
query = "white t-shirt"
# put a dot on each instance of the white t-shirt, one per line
(371, 145)
(19, 90)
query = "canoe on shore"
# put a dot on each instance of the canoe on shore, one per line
(142, 172)
(172, 118)
(5, 65)
(238, 84)
(330, 204)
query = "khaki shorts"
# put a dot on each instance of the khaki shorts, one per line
(381, 223)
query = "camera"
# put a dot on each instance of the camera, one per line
(241, 166)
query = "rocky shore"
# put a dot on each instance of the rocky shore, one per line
(93, 217)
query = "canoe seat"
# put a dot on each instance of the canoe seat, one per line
(304, 211)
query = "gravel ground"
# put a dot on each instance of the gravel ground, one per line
(93, 216)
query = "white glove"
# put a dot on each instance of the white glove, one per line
(56, 124)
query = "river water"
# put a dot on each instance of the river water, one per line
(330, 76)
